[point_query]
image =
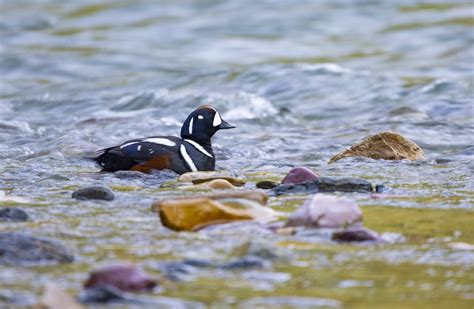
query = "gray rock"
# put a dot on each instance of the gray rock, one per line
(184, 270)
(266, 184)
(246, 262)
(327, 184)
(111, 295)
(13, 215)
(93, 193)
(13, 299)
(23, 249)
(355, 234)
(289, 302)
(107, 294)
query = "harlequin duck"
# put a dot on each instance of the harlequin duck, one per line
(192, 152)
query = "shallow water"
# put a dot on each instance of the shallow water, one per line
(300, 81)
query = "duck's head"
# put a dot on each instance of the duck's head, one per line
(202, 124)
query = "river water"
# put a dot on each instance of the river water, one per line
(301, 80)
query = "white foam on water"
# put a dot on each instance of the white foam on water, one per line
(245, 105)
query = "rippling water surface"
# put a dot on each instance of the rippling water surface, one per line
(300, 80)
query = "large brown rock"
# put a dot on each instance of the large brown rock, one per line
(384, 145)
(326, 211)
(195, 213)
(253, 195)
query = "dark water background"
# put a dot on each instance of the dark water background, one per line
(301, 80)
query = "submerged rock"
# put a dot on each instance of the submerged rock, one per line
(261, 248)
(117, 298)
(327, 184)
(126, 277)
(231, 180)
(201, 177)
(266, 184)
(190, 176)
(184, 270)
(13, 215)
(326, 211)
(195, 213)
(298, 175)
(13, 299)
(219, 184)
(355, 234)
(384, 145)
(289, 302)
(94, 193)
(107, 294)
(231, 229)
(246, 262)
(461, 246)
(23, 249)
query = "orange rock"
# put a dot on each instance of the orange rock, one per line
(255, 195)
(195, 213)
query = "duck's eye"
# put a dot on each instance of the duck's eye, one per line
(200, 117)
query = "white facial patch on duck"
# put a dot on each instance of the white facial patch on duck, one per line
(187, 158)
(200, 117)
(199, 147)
(190, 129)
(160, 141)
(217, 119)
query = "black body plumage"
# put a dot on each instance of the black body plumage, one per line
(192, 152)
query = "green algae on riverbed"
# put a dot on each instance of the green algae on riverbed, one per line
(408, 274)
(422, 224)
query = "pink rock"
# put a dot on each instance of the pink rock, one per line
(126, 277)
(326, 211)
(299, 174)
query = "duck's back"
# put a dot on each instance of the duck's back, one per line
(155, 152)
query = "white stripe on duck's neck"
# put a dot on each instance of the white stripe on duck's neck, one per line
(187, 158)
(199, 147)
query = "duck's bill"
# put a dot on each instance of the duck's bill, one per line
(225, 125)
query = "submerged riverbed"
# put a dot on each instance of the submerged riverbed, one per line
(301, 82)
